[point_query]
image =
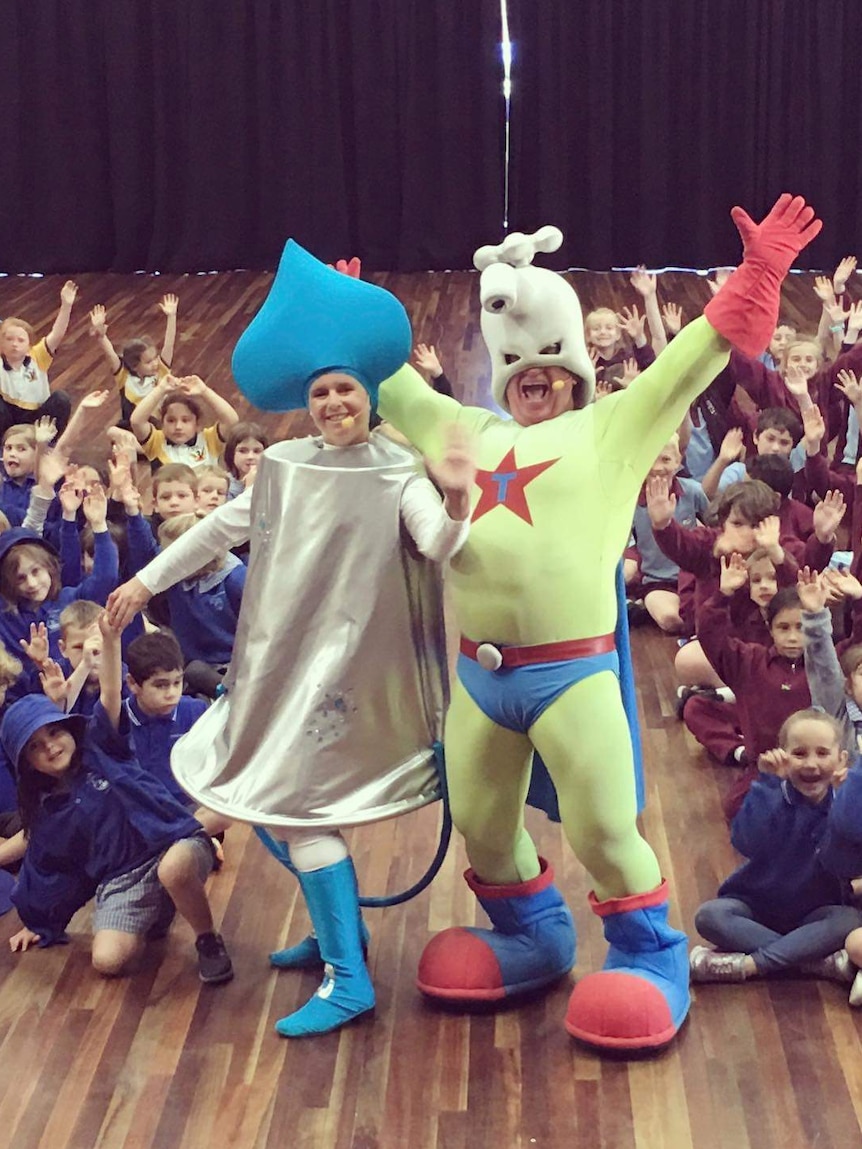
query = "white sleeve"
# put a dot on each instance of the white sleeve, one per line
(424, 515)
(227, 526)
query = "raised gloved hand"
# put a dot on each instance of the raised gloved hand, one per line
(745, 309)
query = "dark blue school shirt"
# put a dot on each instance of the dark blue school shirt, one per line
(154, 738)
(111, 817)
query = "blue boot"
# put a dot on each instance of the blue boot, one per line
(641, 997)
(306, 954)
(346, 991)
(531, 945)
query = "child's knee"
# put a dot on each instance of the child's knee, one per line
(853, 945)
(112, 956)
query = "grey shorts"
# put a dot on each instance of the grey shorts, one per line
(136, 901)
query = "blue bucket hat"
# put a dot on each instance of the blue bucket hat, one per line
(17, 535)
(29, 714)
(316, 320)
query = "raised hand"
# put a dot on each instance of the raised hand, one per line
(192, 385)
(814, 426)
(849, 386)
(732, 445)
(95, 506)
(827, 515)
(633, 323)
(71, 496)
(53, 682)
(45, 429)
(643, 282)
(425, 358)
(456, 470)
(51, 468)
(68, 292)
(603, 389)
(660, 501)
(125, 602)
(734, 573)
(719, 278)
(788, 227)
(593, 353)
(767, 534)
(775, 762)
(811, 589)
(854, 318)
(98, 320)
(629, 372)
(36, 649)
(795, 381)
(671, 315)
(124, 442)
(249, 477)
(169, 304)
(95, 399)
(823, 290)
(841, 585)
(842, 273)
(120, 473)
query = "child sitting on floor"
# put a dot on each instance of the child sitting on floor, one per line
(98, 825)
(245, 444)
(213, 483)
(25, 393)
(138, 365)
(183, 436)
(783, 909)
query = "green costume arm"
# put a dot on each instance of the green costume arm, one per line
(635, 424)
(417, 411)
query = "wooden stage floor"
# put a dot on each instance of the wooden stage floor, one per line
(157, 1061)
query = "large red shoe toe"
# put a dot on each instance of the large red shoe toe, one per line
(457, 965)
(619, 1011)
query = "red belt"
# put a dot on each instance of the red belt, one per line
(512, 656)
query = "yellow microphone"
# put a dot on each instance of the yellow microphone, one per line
(558, 385)
(347, 422)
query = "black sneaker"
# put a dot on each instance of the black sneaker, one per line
(214, 964)
(637, 612)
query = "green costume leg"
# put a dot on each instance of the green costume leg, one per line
(583, 738)
(641, 997)
(488, 769)
(533, 940)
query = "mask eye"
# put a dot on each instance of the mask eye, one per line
(509, 359)
(551, 349)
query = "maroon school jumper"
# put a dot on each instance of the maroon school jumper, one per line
(768, 687)
(643, 356)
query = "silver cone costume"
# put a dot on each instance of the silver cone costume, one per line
(336, 691)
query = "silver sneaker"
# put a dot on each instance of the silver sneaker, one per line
(712, 965)
(836, 967)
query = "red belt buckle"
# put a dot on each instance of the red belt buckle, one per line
(492, 657)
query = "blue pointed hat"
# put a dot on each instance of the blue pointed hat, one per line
(313, 321)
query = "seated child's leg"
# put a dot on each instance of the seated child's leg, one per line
(715, 724)
(630, 570)
(728, 923)
(58, 406)
(182, 871)
(663, 607)
(115, 950)
(693, 668)
(821, 933)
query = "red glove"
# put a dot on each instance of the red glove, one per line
(745, 310)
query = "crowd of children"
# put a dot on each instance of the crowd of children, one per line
(741, 554)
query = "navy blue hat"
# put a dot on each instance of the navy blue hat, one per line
(29, 714)
(16, 535)
(316, 320)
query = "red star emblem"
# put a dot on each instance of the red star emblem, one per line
(504, 486)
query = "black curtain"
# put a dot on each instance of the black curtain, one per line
(196, 136)
(636, 126)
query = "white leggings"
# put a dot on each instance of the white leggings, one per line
(314, 849)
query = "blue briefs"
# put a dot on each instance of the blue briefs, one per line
(517, 697)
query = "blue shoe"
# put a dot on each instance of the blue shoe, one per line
(306, 954)
(641, 997)
(531, 945)
(346, 991)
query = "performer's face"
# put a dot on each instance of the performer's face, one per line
(532, 398)
(340, 409)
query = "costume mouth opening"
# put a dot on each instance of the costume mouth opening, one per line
(534, 391)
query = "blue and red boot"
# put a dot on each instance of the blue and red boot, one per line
(531, 945)
(641, 997)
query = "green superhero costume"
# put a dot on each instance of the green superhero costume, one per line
(551, 516)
